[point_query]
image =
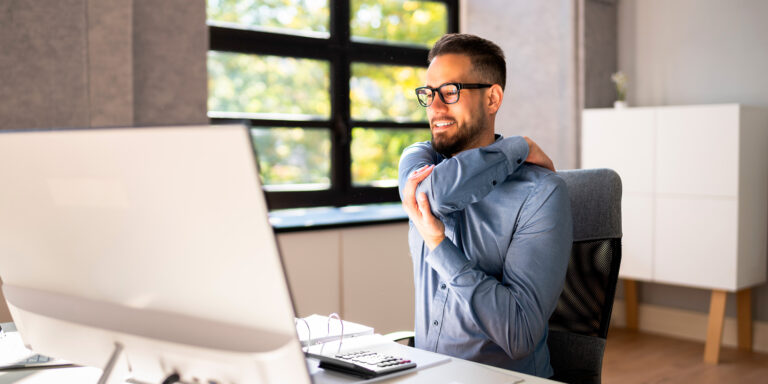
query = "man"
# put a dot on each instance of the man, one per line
(490, 232)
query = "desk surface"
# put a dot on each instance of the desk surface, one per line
(448, 370)
(455, 371)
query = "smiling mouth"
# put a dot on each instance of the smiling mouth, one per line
(443, 124)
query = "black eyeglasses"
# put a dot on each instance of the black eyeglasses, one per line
(449, 92)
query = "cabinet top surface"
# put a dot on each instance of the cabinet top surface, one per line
(695, 106)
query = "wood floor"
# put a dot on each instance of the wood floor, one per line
(632, 357)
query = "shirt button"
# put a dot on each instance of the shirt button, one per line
(435, 323)
(519, 161)
(493, 182)
(442, 286)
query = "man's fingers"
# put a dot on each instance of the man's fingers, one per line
(537, 156)
(420, 174)
(409, 191)
(424, 205)
(410, 204)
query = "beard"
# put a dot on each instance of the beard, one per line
(462, 139)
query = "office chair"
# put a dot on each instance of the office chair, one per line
(579, 326)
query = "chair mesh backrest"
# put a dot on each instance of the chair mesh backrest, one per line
(586, 302)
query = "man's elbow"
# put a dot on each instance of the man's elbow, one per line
(522, 347)
(526, 338)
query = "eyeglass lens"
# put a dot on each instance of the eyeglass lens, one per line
(449, 94)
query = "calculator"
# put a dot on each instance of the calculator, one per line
(364, 363)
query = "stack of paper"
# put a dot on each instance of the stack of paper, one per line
(323, 330)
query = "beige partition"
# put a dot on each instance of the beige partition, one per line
(312, 262)
(377, 285)
(364, 274)
(5, 315)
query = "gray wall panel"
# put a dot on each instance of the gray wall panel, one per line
(110, 58)
(170, 48)
(600, 53)
(43, 70)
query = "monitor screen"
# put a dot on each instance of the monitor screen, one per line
(150, 241)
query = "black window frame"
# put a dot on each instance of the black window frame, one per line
(340, 52)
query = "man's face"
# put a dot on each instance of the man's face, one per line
(455, 127)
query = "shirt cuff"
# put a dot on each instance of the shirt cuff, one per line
(447, 260)
(516, 149)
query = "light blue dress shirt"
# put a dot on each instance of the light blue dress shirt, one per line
(487, 291)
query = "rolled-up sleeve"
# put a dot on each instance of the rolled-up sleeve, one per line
(465, 178)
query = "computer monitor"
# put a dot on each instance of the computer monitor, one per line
(149, 247)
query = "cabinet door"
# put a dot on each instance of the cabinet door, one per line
(311, 262)
(377, 273)
(696, 242)
(697, 150)
(637, 241)
(622, 140)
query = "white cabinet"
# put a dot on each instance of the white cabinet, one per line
(364, 274)
(624, 141)
(696, 242)
(697, 151)
(695, 202)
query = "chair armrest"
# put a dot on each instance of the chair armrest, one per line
(402, 335)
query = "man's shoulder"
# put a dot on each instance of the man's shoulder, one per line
(525, 187)
(534, 176)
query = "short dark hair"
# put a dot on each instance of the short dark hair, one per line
(486, 57)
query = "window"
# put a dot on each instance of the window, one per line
(327, 87)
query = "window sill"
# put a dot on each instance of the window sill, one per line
(308, 219)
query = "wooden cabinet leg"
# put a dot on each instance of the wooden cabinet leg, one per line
(744, 319)
(630, 299)
(715, 327)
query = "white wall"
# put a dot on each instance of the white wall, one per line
(678, 52)
(694, 51)
(539, 41)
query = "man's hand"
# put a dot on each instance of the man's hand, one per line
(430, 228)
(537, 156)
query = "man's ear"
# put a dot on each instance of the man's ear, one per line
(495, 95)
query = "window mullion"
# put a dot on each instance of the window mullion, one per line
(341, 179)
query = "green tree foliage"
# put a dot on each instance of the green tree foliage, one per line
(296, 15)
(398, 21)
(268, 85)
(297, 89)
(385, 92)
(376, 153)
(289, 156)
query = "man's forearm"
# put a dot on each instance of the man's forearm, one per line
(467, 177)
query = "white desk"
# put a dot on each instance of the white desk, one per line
(452, 371)
(456, 371)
